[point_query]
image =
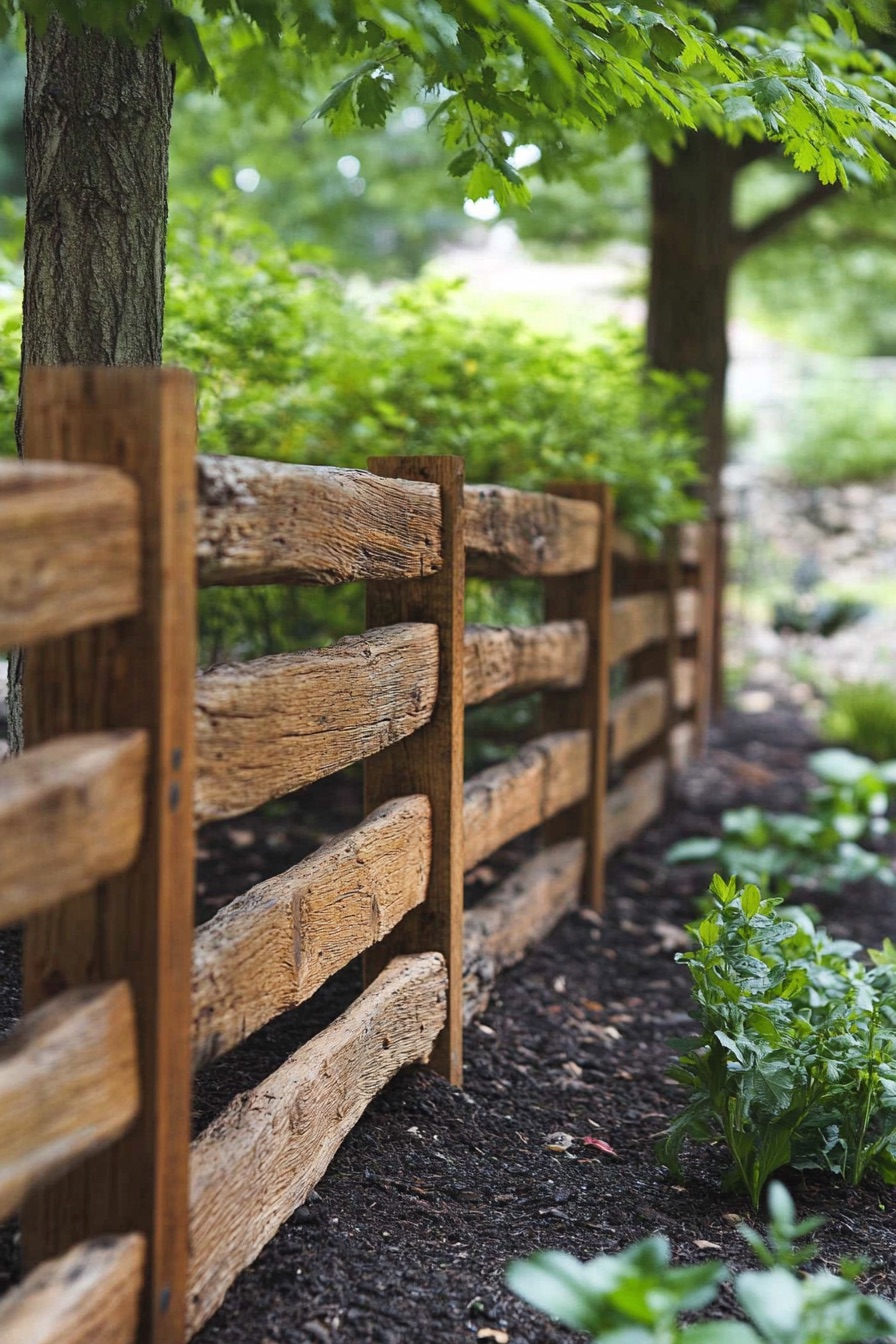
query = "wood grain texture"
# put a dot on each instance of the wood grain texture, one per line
(138, 927)
(517, 532)
(273, 947)
(518, 914)
(639, 715)
(68, 1086)
(272, 522)
(586, 597)
(89, 1296)
(70, 542)
(687, 612)
(272, 725)
(516, 659)
(685, 683)
(546, 776)
(636, 622)
(636, 802)
(432, 761)
(267, 1151)
(71, 814)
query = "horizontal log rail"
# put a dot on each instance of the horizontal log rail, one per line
(90, 1295)
(71, 815)
(68, 1086)
(267, 1151)
(500, 930)
(519, 532)
(70, 547)
(513, 660)
(690, 544)
(273, 725)
(545, 777)
(635, 803)
(687, 612)
(274, 522)
(626, 546)
(638, 716)
(636, 622)
(273, 947)
(685, 683)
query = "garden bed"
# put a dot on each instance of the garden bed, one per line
(433, 1192)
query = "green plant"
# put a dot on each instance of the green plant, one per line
(637, 1296)
(848, 433)
(778, 850)
(862, 716)
(795, 1063)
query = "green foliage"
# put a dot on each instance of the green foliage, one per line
(821, 850)
(862, 716)
(795, 1063)
(500, 65)
(294, 365)
(846, 433)
(638, 1296)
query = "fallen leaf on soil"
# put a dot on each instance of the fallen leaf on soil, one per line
(707, 1245)
(559, 1142)
(599, 1143)
(240, 839)
(733, 1218)
(486, 1031)
(499, 1336)
(592, 1005)
(572, 1068)
(560, 984)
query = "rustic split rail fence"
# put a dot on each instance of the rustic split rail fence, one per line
(131, 1232)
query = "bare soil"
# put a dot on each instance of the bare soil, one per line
(408, 1235)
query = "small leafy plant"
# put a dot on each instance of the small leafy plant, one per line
(821, 850)
(637, 1296)
(795, 1063)
(862, 715)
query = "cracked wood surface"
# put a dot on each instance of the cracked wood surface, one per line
(520, 532)
(262, 1157)
(544, 777)
(516, 659)
(275, 522)
(270, 726)
(272, 947)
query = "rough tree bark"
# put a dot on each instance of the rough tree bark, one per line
(690, 269)
(97, 127)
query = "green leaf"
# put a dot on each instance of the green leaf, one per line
(693, 850)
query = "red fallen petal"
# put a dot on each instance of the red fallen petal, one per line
(599, 1143)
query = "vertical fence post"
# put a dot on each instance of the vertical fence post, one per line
(587, 597)
(138, 927)
(431, 761)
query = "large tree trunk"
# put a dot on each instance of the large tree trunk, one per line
(97, 126)
(690, 267)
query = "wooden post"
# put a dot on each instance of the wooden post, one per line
(135, 673)
(586, 597)
(431, 761)
(719, 564)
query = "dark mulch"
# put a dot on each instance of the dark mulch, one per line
(409, 1232)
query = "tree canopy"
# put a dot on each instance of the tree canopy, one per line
(802, 76)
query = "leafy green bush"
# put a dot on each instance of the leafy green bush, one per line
(637, 1296)
(863, 717)
(848, 433)
(778, 850)
(795, 1063)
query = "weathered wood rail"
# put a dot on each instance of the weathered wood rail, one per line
(131, 1233)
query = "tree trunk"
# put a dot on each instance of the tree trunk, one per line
(97, 126)
(690, 267)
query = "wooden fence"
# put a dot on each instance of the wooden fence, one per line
(129, 1231)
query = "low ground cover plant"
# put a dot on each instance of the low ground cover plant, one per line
(638, 1296)
(862, 716)
(795, 1060)
(820, 850)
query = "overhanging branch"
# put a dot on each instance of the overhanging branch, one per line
(744, 240)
